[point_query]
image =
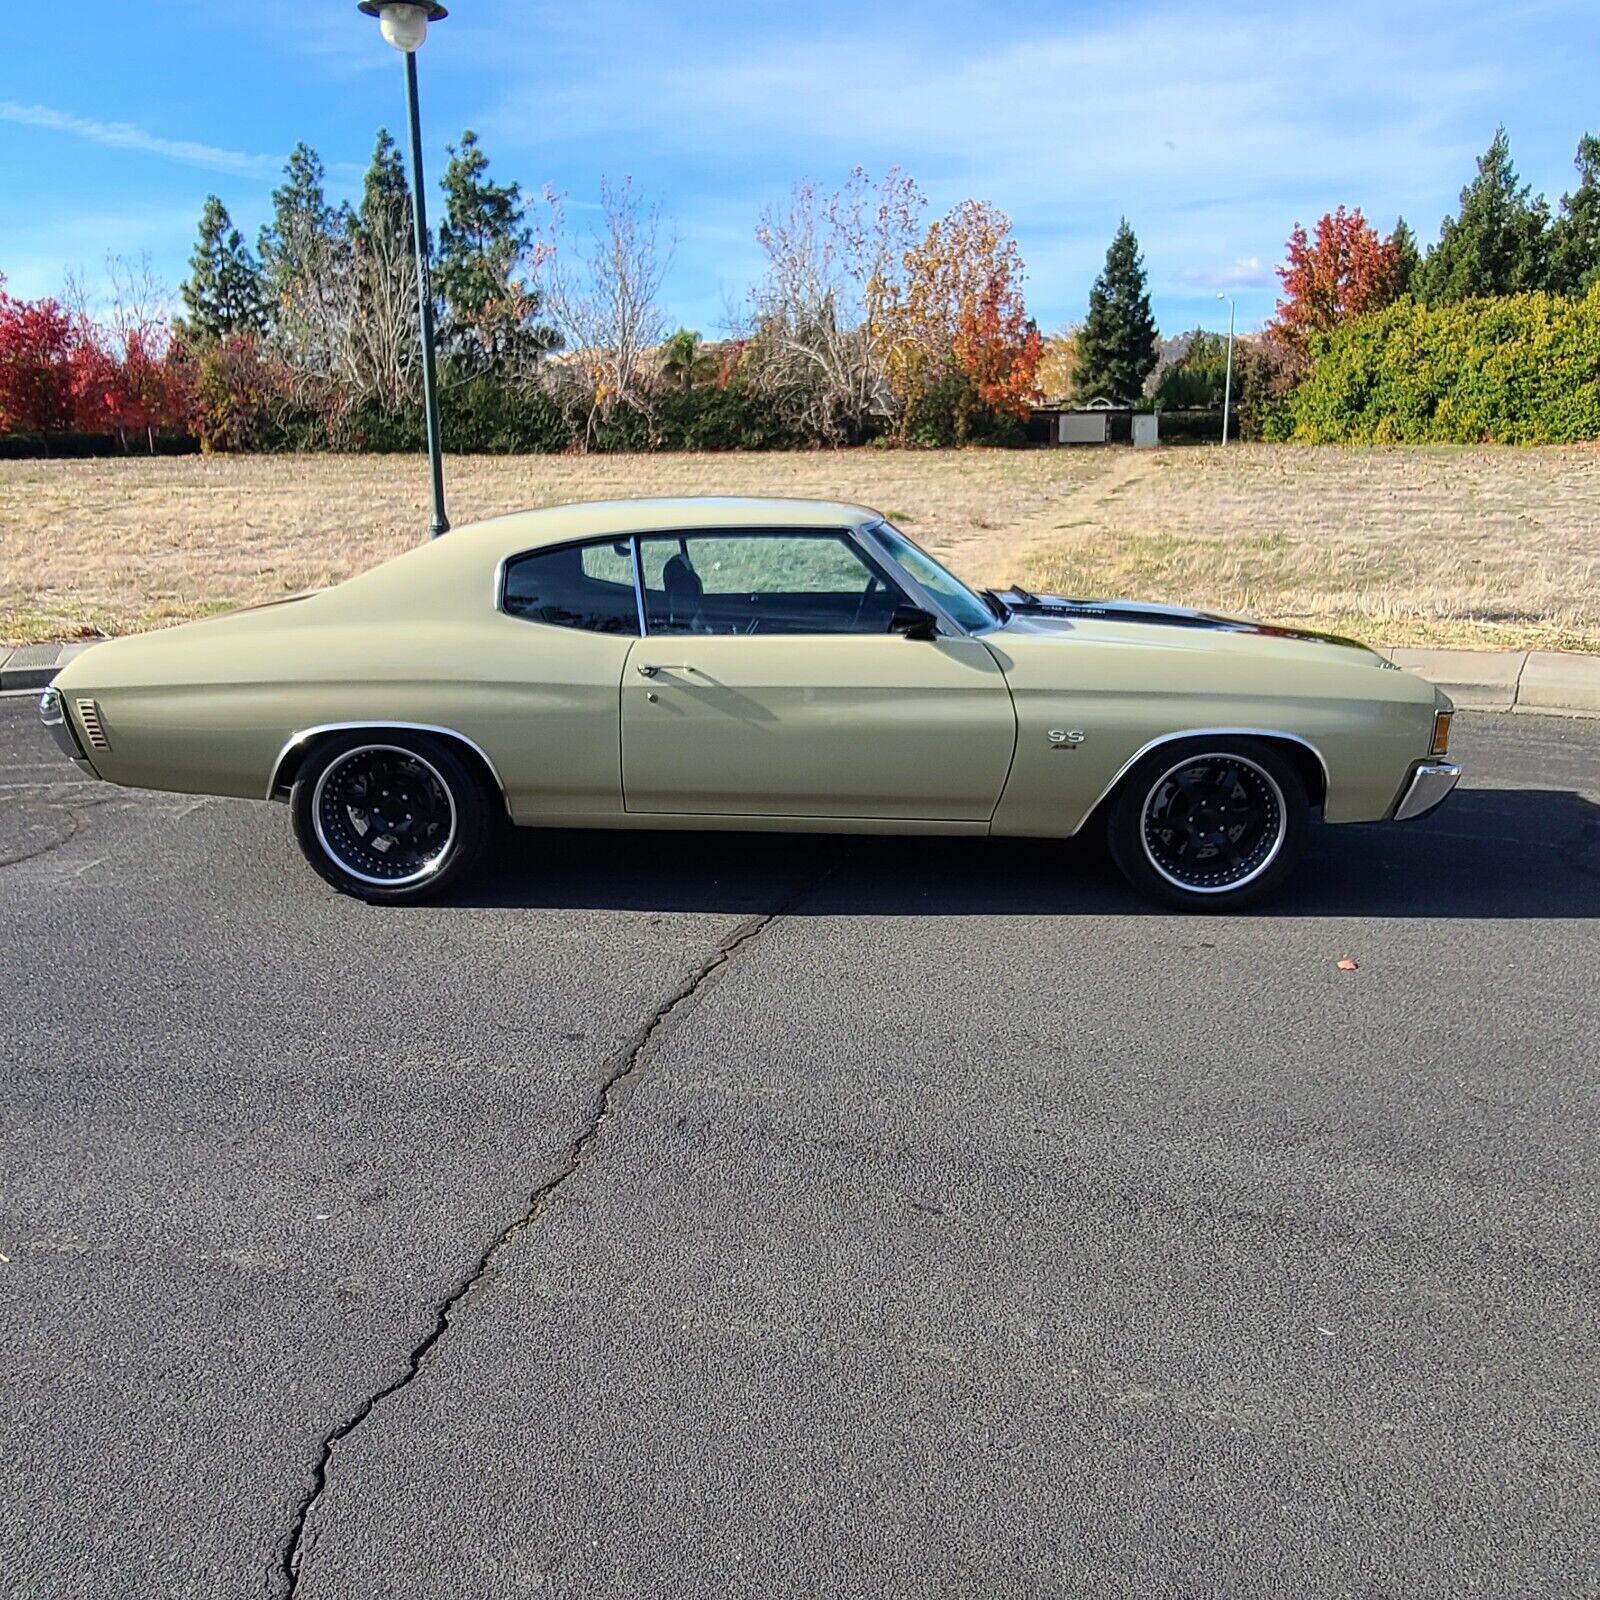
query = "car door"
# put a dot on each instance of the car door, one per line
(768, 684)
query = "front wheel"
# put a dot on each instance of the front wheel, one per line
(1210, 825)
(389, 817)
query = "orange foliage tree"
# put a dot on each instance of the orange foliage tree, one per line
(1342, 273)
(957, 331)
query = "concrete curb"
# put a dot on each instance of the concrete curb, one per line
(1509, 680)
(1477, 680)
(34, 665)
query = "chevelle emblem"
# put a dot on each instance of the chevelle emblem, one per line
(1066, 738)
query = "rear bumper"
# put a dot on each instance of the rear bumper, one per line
(1429, 783)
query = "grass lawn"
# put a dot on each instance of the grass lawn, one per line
(1489, 547)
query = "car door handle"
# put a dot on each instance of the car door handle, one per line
(646, 670)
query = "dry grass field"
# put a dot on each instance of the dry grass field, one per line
(1491, 547)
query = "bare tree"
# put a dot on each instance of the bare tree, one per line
(604, 294)
(819, 343)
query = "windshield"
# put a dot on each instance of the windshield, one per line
(952, 593)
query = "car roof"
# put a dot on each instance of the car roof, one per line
(454, 572)
(597, 519)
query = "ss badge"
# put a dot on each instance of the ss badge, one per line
(1066, 738)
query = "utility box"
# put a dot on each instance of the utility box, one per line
(1146, 430)
(1083, 427)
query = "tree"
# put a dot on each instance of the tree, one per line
(307, 267)
(129, 376)
(1407, 257)
(685, 361)
(36, 341)
(605, 296)
(1344, 272)
(1116, 347)
(1499, 244)
(382, 359)
(293, 247)
(958, 336)
(1575, 236)
(223, 292)
(818, 350)
(486, 246)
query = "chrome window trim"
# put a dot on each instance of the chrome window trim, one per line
(380, 726)
(1211, 733)
(867, 534)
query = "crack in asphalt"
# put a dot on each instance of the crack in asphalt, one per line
(623, 1068)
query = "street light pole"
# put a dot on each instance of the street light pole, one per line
(405, 26)
(1227, 382)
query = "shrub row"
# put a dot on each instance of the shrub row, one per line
(1518, 369)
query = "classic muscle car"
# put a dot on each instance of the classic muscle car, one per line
(752, 664)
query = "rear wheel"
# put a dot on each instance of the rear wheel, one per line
(1210, 825)
(389, 817)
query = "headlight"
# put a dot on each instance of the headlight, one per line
(50, 712)
(1441, 733)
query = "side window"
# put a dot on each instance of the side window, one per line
(577, 586)
(785, 581)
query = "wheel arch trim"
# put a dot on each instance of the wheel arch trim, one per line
(277, 788)
(1208, 733)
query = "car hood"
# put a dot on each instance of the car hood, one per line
(1171, 627)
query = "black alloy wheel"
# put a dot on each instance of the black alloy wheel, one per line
(1210, 825)
(389, 817)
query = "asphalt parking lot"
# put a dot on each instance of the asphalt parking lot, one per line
(681, 1215)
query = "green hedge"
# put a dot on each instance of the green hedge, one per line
(1520, 369)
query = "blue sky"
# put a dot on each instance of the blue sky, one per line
(1213, 128)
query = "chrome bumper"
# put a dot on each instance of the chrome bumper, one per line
(53, 714)
(1428, 785)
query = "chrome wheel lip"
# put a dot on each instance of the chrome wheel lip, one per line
(434, 862)
(1233, 757)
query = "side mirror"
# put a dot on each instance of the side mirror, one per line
(913, 622)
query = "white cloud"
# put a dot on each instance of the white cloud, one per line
(1248, 272)
(125, 136)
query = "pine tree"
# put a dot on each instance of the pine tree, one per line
(385, 210)
(1575, 237)
(1407, 258)
(387, 351)
(223, 291)
(294, 248)
(1116, 348)
(484, 245)
(1499, 244)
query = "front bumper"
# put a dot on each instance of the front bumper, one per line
(1429, 783)
(53, 714)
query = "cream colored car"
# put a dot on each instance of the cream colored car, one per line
(786, 665)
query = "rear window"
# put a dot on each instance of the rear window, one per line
(587, 586)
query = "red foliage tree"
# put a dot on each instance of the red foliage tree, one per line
(1344, 272)
(36, 338)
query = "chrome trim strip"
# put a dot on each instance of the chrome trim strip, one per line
(638, 580)
(1427, 787)
(1210, 733)
(867, 536)
(381, 726)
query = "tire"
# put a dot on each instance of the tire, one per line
(440, 816)
(1210, 824)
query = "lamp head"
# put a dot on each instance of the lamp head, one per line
(404, 22)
